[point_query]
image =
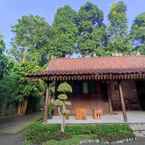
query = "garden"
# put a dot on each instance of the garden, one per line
(46, 134)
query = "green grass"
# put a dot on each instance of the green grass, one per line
(74, 140)
(50, 134)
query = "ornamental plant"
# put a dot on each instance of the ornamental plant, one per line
(62, 102)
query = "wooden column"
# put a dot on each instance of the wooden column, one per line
(109, 93)
(45, 117)
(122, 102)
(55, 89)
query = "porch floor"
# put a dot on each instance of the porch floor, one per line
(133, 117)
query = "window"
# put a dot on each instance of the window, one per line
(85, 88)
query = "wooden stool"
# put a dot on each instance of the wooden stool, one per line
(97, 113)
(80, 114)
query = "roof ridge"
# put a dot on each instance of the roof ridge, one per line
(78, 58)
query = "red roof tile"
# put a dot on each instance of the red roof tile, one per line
(117, 64)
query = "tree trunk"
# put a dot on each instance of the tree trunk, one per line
(19, 109)
(22, 107)
(62, 124)
(25, 104)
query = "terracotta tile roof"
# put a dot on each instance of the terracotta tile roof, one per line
(117, 64)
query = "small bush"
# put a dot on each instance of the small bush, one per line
(39, 132)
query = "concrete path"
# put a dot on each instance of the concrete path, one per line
(14, 125)
(116, 117)
(11, 129)
(11, 139)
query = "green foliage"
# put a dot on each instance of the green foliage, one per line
(62, 97)
(92, 34)
(26, 87)
(32, 34)
(118, 19)
(138, 33)
(64, 88)
(75, 140)
(99, 129)
(64, 32)
(2, 44)
(118, 39)
(82, 32)
(14, 87)
(3, 59)
(40, 133)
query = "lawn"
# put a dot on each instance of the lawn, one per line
(39, 133)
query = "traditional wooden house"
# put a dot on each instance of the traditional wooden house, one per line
(103, 83)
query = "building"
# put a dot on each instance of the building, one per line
(107, 83)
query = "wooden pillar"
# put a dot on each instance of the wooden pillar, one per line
(122, 102)
(55, 89)
(45, 116)
(109, 93)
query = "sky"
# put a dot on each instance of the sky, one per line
(12, 10)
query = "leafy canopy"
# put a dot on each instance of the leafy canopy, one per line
(138, 33)
(32, 34)
(64, 88)
(118, 39)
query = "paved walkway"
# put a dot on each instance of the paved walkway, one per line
(14, 125)
(11, 129)
(11, 139)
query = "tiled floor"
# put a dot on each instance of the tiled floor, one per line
(133, 117)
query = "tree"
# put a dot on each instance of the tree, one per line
(92, 33)
(118, 40)
(32, 34)
(64, 32)
(138, 33)
(16, 89)
(3, 59)
(26, 88)
(62, 102)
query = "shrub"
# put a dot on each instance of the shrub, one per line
(39, 132)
